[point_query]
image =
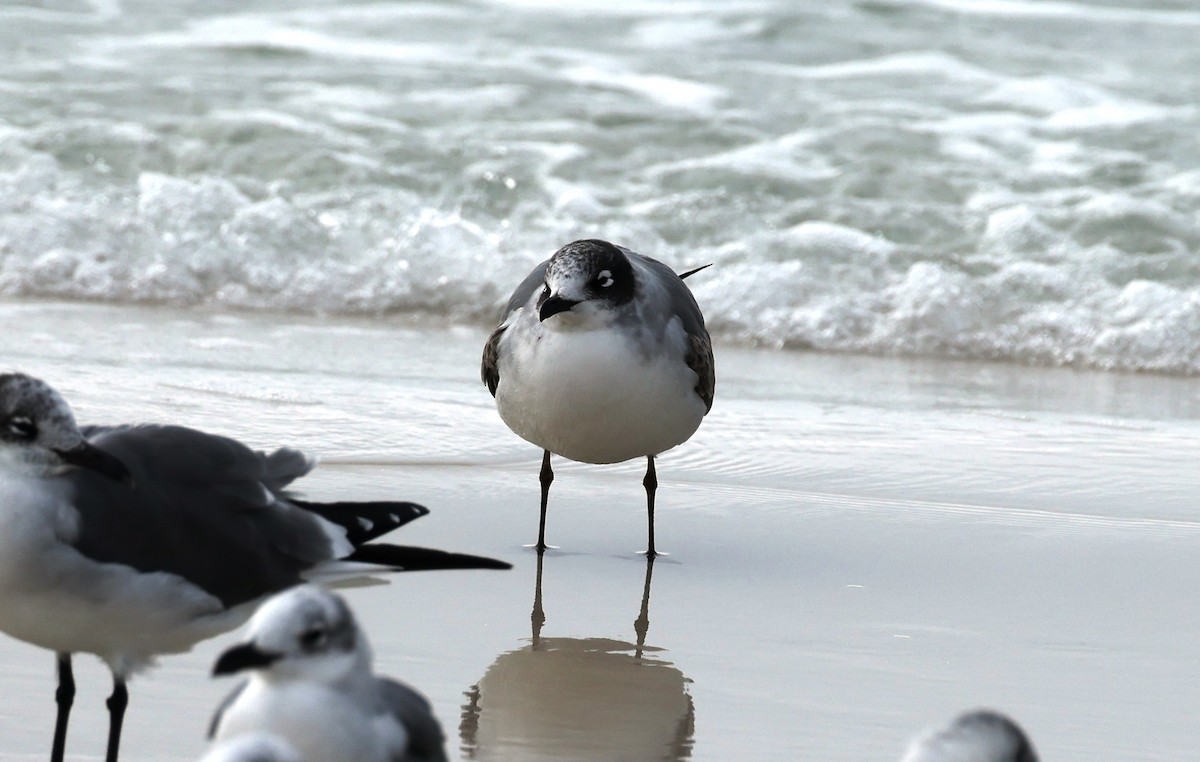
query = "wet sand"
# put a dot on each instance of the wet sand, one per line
(858, 547)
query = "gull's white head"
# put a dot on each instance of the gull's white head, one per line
(305, 633)
(978, 736)
(38, 429)
(583, 279)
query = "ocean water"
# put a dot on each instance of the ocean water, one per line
(1000, 179)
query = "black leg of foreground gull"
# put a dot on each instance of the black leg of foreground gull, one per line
(601, 356)
(128, 542)
(311, 685)
(64, 697)
(116, 704)
(981, 735)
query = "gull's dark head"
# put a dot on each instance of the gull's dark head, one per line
(305, 633)
(38, 428)
(589, 272)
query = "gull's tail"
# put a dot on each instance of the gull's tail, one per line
(364, 522)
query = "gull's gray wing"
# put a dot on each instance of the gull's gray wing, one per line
(426, 741)
(682, 303)
(490, 368)
(203, 507)
(700, 359)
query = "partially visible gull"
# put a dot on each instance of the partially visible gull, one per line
(131, 541)
(253, 747)
(311, 684)
(977, 736)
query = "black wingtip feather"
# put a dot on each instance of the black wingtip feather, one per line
(364, 522)
(409, 558)
(693, 272)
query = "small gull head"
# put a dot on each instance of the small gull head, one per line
(589, 272)
(981, 735)
(253, 747)
(39, 429)
(305, 633)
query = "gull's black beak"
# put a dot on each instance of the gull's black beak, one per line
(94, 459)
(554, 304)
(243, 657)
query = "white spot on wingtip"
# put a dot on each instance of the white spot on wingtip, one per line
(365, 524)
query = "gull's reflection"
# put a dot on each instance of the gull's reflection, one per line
(580, 698)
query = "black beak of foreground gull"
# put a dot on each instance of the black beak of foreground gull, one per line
(554, 304)
(243, 657)
(95, 459)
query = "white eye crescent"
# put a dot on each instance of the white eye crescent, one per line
(22, 428)
(604, 278)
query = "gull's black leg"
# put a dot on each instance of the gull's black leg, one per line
(651, 484)
(64, 697)
(546, 476)
(116, 704)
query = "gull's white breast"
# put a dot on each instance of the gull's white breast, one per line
(320, 722)
(594, 394)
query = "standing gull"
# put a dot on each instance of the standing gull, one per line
(601, 356)
(131, 541)
(311, 684)
(981, 735)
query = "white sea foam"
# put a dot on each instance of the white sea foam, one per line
(921, 63)
(1048, 9)
(864, 180)
(247, 31)
(669, 91)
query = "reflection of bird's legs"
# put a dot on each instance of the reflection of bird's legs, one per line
(64, 697)
(651, 484)
(546, 476)
(538, 616)
(641, 625)
(468, 726)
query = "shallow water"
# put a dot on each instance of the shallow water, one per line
(859, 547)
(1014, 179)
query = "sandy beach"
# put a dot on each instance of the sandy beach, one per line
(859, 547)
